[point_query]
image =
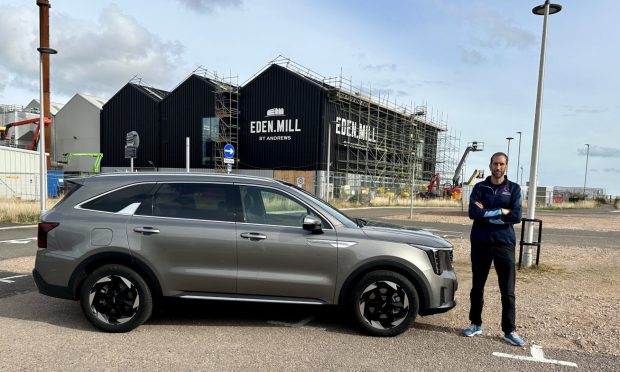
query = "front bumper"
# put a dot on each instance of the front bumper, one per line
(445, 293)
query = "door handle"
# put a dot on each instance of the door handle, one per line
(253, 236)
(146, 230)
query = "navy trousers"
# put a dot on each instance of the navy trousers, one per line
(503, 258)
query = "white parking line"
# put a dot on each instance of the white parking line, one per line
(6, 280)
(19, 241)
(17, 227)
(537, 356)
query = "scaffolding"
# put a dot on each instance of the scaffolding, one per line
(448, 151)
(226, 95)
(377, 142)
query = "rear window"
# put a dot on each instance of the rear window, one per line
(117, 200)
(69, 188)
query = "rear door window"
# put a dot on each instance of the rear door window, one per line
(120, 199)
(201, 201)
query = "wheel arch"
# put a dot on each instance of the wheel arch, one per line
(416, 279)
(108, 258)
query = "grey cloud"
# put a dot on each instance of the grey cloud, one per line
(495, 30)
(210, 6)
(471, 56)
(502, 31)
(92, 58)
(391, 67)
(574, 110)
(18, 43)
(599, 151)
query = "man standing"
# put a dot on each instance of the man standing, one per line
(495, 206)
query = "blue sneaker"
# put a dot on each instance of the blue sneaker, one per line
(472, 331)
(514, 339)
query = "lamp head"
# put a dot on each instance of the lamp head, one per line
(540, 9)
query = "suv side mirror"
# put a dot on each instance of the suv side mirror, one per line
(312, 224)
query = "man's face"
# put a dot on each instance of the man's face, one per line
(498, 166)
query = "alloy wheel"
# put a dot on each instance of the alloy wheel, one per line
(114, 299)
(384, 304)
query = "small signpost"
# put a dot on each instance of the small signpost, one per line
(132, 142)
(229, 153)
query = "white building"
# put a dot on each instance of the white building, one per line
(76, 130)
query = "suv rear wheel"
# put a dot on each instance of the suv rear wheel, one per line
(384, 303)
(115, 298)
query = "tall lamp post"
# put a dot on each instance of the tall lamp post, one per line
(585, 177)
(519, 159)
(545, 10)
(43, 159)
(508, 152)
(419, 151)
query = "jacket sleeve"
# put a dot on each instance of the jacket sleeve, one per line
(515, 207)
(476, 213)
(473, 211)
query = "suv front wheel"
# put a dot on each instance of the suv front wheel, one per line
(384, 303)
(115, 298)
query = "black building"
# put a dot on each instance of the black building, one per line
(133, 108)
(286, 122)
(189, 111)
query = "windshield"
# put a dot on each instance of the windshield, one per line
(340, 216)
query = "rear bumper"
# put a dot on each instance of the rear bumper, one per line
(52, 290)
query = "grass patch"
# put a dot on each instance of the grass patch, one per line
(583, 204)
(383, 201)
(21, 211)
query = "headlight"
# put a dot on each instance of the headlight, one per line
(440, 258)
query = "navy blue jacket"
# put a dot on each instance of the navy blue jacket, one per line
(490, 226)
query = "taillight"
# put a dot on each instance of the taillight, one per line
(44, 228)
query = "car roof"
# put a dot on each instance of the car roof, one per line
(137, 177)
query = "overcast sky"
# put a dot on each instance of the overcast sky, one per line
(474, 62)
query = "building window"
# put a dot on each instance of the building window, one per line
(210, 131)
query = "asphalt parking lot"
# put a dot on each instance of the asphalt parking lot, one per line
(40, 332)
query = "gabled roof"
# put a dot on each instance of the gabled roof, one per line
(55, 106)
(156, 94)
(95, 101)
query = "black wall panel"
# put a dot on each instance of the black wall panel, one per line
(280, 122)
(182, 112)
(134, 107)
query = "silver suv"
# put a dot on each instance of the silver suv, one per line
(116, 242)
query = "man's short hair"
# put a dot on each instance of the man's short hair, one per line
(498, 154)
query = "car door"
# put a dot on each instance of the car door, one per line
(276, 256)
(186, 233)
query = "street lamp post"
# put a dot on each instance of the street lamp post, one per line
(418, 154)
(519, 159)
(43, 159)
(508, 152)
(545, 10)
(585, 177)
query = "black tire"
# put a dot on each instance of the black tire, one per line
(384, 303)
(114, 298)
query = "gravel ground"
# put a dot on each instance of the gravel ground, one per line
(572, 301)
